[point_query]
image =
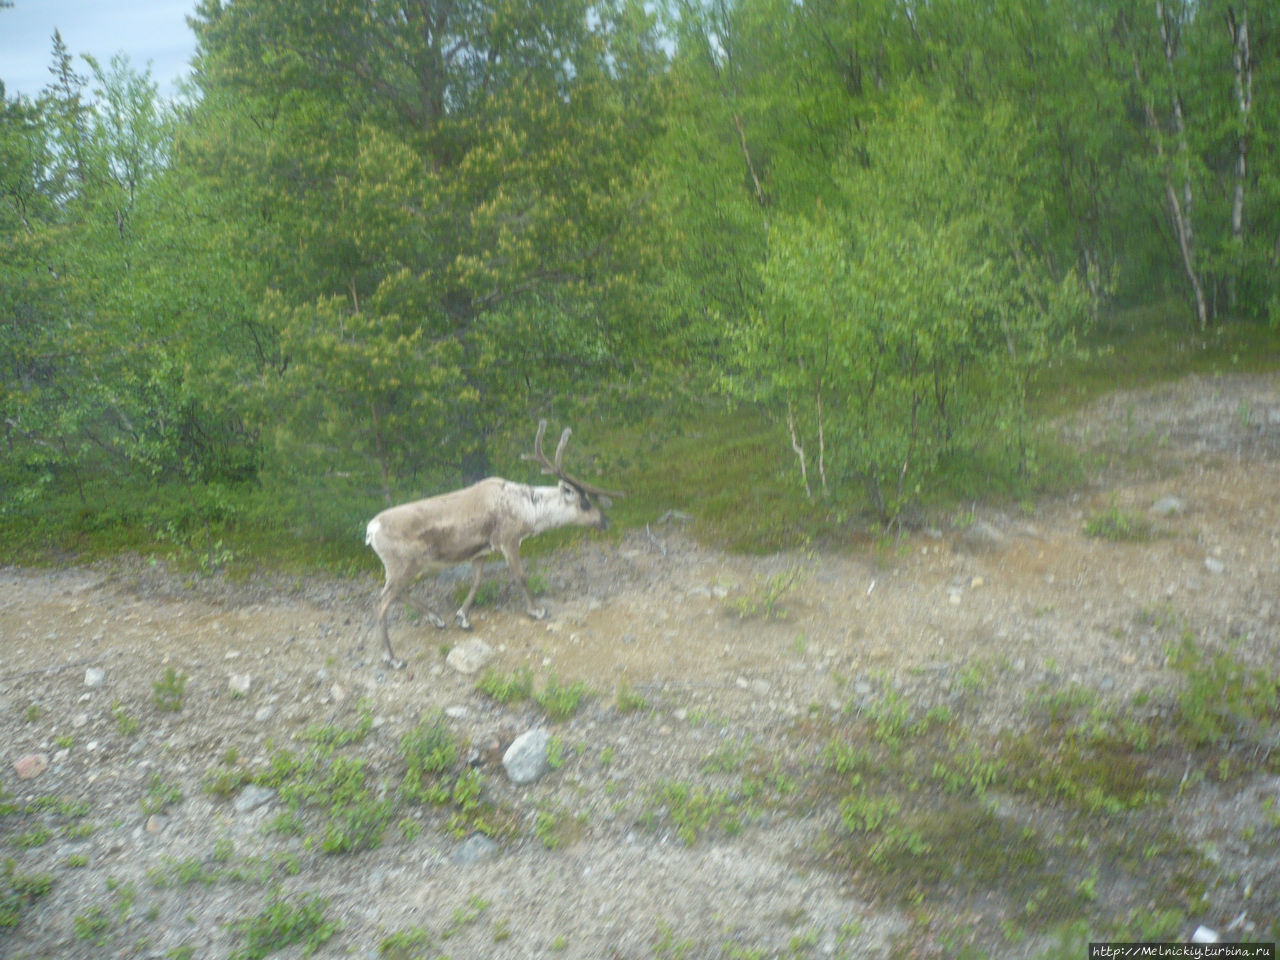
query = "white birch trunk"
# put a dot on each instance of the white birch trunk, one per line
(1179, 208)
(1244, 100)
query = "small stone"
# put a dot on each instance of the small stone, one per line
(338, 692)
(239, 684)
(760, 687)
(470, 656)
(475, 848)
(976, 582)
(94, 677)
(31, 766)
(1203, 934)
(80, 720)
(526, 759)
(1214, 565)
(264, 714)
(1167, 506)
(156, 823)
(252, 797)
(456, 712)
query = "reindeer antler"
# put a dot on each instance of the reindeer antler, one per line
(555, 469)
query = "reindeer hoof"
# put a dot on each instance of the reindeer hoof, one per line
(463, 622)
(393, 662)
(436, 621)
(538, 613)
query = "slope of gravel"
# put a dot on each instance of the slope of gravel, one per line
(1037, 601)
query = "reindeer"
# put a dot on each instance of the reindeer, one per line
(494, 515)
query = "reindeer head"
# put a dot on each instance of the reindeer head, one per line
(589, 501)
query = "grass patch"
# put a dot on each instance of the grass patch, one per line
(628, 699)
(561, 700)
(1120, 526)
(168, 691)
(159, 795)
(1225, 703)
(285, 922)
(1064, 816)
(507, 689)
(19, 891)
(338, 795)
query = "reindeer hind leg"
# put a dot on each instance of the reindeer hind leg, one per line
(477, 569)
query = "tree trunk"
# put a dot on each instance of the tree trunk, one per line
(1179, 207)
(1239, 32)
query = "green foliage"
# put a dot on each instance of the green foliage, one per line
(1120, 526)
(361, 262)
(411, 944)
(901, 327)
(628, 699)
(19, 890)
(340, 790)
(693, 810)
(159, 794)
(430, 751)
(507, 689)
(283, 922)
(764, 598)
(94, 924)
(561, 700)
(167, 692)
(334, 736)
(126, 725)
(1224, 701)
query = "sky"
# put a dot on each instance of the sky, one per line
(152, 31)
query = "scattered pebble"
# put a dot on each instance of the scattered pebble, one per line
(239, 684)
(94, 677)
(1204, 934)
(31, 766)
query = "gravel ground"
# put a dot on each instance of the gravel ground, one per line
(588, 862)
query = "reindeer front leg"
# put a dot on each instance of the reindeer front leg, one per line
(514, 563)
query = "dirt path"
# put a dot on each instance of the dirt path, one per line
(589, 867)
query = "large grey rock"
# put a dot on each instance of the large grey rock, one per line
(526, 759)
(252, 797)
(470, 656)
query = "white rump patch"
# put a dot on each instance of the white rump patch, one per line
(370, 531)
